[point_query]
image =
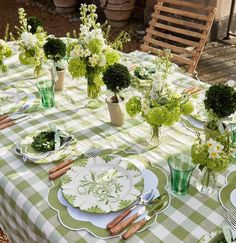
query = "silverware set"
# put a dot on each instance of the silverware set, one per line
(61, 169)
(14, 118)
(150, 207)
(231, 215)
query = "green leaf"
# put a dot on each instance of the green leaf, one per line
(66, 179)
(132, 167)
(124, 203)
(95, 209)
(139, 186)
(70, 198)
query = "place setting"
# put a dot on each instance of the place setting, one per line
(46, 146)
(109, 195)
(15, 106)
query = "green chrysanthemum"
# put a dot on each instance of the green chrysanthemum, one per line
(133, 106)
(77, 67)
(112, 56)
(95, 46)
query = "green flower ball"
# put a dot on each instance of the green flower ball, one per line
(77, 67)
(26, 60)
(112, 56)
(187, 108)
(95, 46)
(156, 116)
(8, 52)
(133, 106)
(172, 116)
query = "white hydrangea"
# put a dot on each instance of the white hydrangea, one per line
(29, 40)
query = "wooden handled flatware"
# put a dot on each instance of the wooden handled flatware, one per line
(143, 200)
(63, 167)
(125, 223)
(152, 211)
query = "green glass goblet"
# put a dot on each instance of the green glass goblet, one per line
(181, 168)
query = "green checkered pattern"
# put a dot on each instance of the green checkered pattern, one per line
(24, 212)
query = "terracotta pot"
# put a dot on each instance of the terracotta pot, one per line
(117, 11)
(60, 82)
(65, 6)
(116, 114)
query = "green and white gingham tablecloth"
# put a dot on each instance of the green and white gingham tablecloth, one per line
(24, 212)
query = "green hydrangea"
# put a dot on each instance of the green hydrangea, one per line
(112, 56)
(133, 106)
(187, 108)
(95, 46)
(25, 59)
(77, 67)
(172, 116)
(8, 51)
(156, 116)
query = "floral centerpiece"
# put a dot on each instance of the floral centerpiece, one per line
(31, 44)
(160, 105)
(211, 156)
(5, 51)
(91, 53)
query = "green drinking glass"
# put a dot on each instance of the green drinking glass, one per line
(233, 138)
(46, 91)
(181, 168)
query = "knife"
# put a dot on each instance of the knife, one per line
(121, 226)
(151, 211)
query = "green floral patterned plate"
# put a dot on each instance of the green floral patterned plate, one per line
(11, 100)
(102, 184)
(227, 194)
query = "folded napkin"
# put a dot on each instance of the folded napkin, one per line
(229, 234)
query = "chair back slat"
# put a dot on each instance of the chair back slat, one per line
(181, 26)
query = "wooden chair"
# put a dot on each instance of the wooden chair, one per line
(180, 26)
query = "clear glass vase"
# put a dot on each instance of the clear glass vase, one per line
(93, 91)
(206, 182)
(154, 135)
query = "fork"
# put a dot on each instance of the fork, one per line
(22, 109)
(231, 215)
(61, 169)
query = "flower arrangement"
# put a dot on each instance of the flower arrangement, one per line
(116, 78)
(211, 154)
(31, 45)
(160, 105)
(5, 51)
(91, 53)
(55, 50)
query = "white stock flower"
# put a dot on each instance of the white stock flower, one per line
(78, 51)
(94, 59)
(102, 61)
(145, 107)
(29, 40)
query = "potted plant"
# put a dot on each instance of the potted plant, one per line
(33, 23)
(55, 50)
(220, 103)
(117, 11)
(116, 78)
(65, 6)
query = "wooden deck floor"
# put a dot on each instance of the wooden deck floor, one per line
(218, 62)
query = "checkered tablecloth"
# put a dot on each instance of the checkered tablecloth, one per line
(24, 212)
